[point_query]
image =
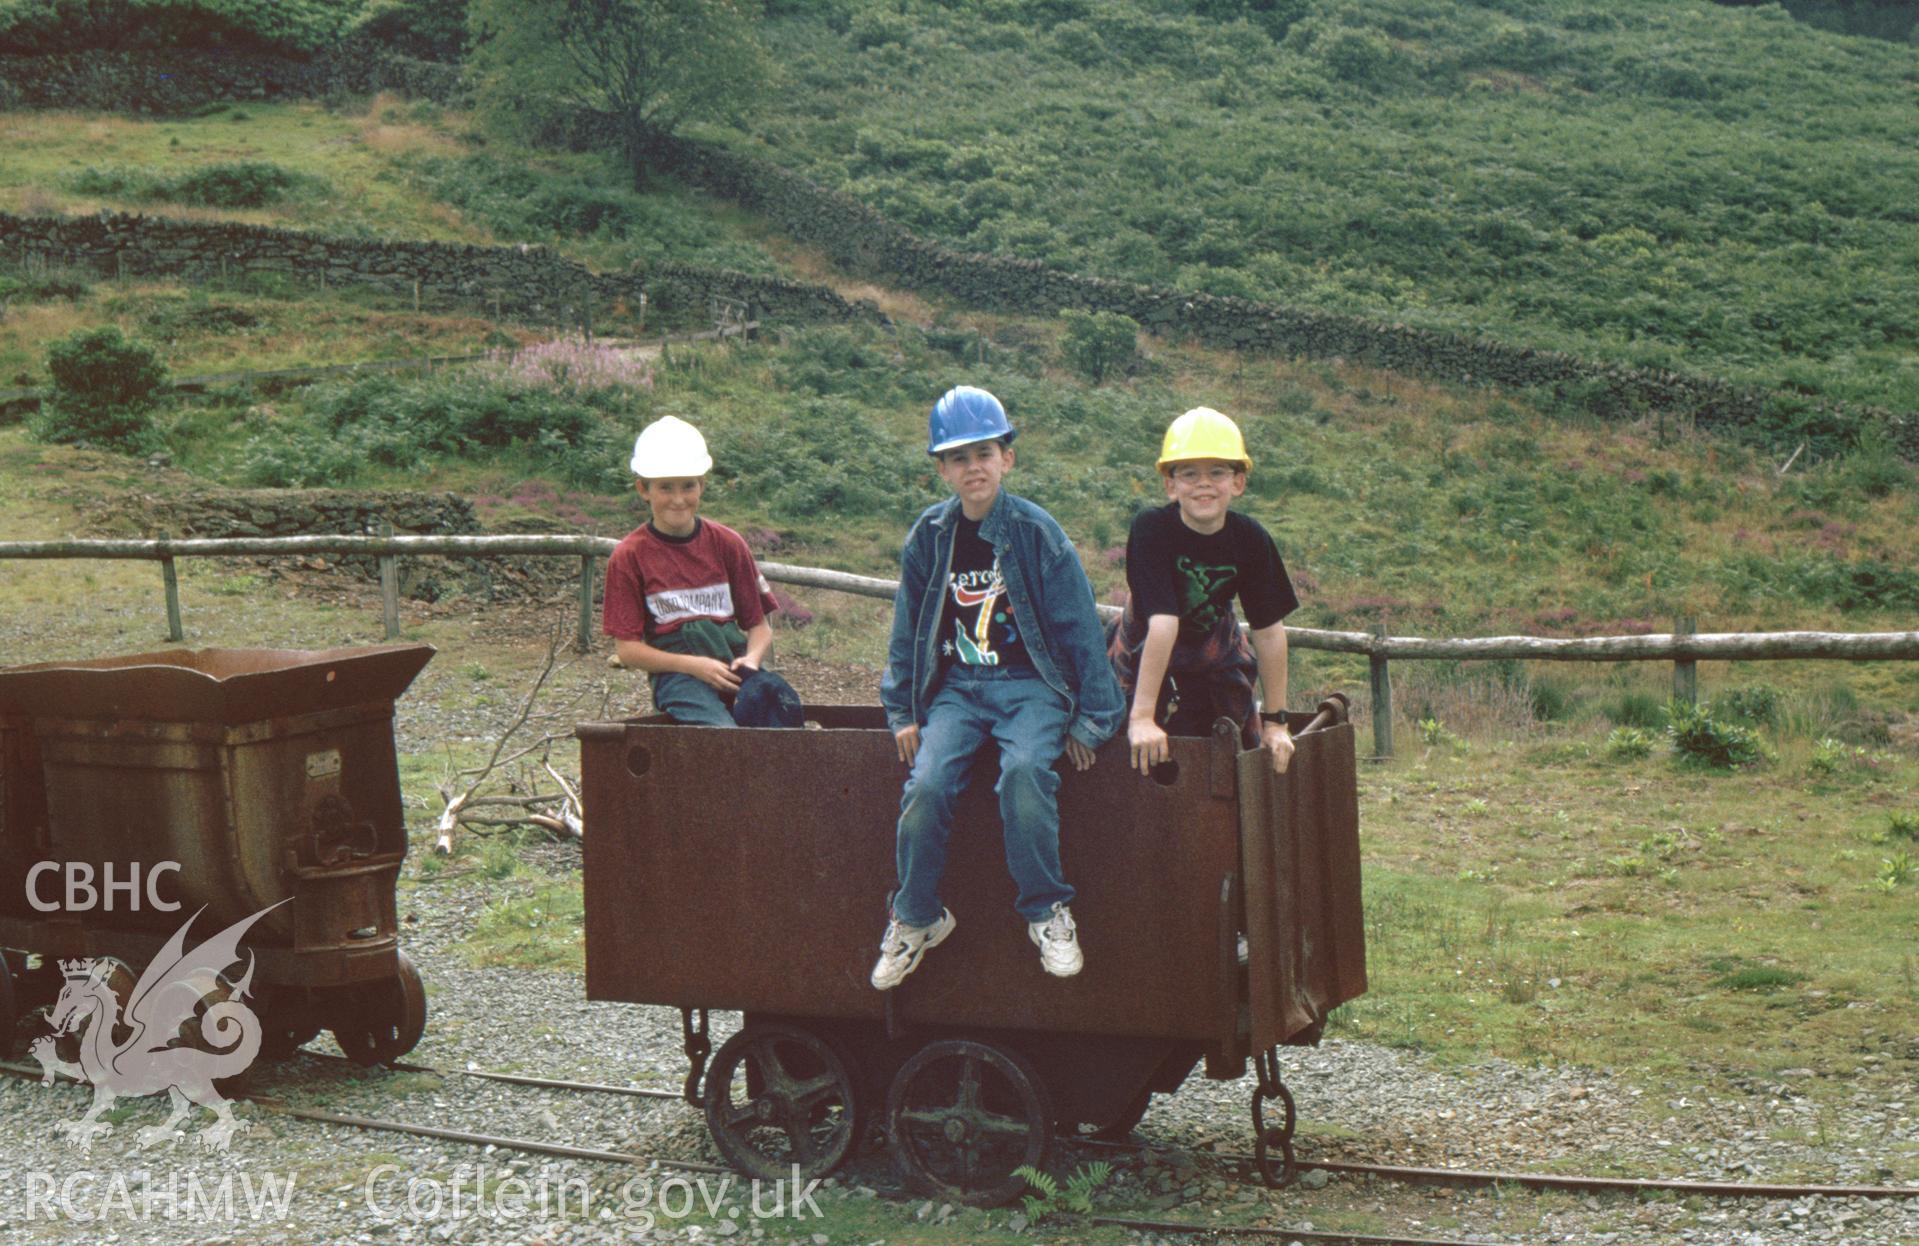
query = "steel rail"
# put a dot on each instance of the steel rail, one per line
(1551, 1181)
(1291, 1235)
(515, 1079)
(1479, 1178)
(477, 1139)
(279, 1108)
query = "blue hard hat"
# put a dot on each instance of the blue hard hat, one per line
(963, 415)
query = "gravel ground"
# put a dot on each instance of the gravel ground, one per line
(1357, 1102)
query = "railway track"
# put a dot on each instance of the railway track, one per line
(1468, 1178)
(1460, 1177)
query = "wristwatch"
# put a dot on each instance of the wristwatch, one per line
(1277, 718)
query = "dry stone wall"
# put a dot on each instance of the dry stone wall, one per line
(862, 240)
(178, 79)
(526, 280)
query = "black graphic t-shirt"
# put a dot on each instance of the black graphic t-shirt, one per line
(977, 627)
(1171, 569)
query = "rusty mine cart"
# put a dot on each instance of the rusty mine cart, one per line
(223, 781)
(749, 870)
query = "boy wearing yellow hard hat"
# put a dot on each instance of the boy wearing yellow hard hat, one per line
(1178, 651)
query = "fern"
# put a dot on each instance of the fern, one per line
(1050, 1200)
(1082, 1184)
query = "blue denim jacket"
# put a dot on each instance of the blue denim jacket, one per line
(1047, 586)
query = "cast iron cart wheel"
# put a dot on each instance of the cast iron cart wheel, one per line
(390, 1022)
(777, 1096)
(280, 1039)
(961, 1116)
(286, 1022)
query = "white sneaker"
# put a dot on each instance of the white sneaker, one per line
(902, 946)
(1058, 941)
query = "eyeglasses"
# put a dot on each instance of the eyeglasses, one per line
(1217, 474)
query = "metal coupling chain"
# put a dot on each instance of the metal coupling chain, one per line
(1268, 1139)
(697, 1050)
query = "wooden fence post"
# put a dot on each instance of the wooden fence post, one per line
(389, 587)
(1685, 671)
(585, 640)
(1382, 700)
(170, 577)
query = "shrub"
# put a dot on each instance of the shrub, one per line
(391, 422)
(1637, 709)
(1894, 870)
(237, 184)
(1756, 705)
(43, 27)
(1629, 743)
(38, 287)
(433, 30)
(226, 184)
(1698, 739)
(1361, 57)
(104, 385)
(1552, 701)
(1098, 344)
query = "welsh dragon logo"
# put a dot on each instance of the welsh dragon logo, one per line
(149, 1048)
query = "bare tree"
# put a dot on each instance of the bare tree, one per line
(504, 790)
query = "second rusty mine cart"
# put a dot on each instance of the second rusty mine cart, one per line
(223, 782)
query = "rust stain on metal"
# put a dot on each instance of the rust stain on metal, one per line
(750, 869)
(1299, 846)
(267, 774)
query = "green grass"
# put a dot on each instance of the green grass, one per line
(387, 167)
(541, 929)
(1709, 187)
(1634, 917)
(245, 326)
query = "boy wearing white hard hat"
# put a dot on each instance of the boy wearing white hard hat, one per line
(686, 603)
(1178, 650)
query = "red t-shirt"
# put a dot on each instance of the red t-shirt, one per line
(655, 583)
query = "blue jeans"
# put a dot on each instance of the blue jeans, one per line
(764, 700)
(1016, 710)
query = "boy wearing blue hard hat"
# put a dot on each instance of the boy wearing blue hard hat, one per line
(995, 639)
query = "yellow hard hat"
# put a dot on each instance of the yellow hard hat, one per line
(1203, 433)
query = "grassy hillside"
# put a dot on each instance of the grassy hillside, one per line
(1712, 188)
(385, 167)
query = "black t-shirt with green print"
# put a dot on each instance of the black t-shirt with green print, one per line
(1171, 569)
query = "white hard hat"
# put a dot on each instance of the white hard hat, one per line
(669, 446)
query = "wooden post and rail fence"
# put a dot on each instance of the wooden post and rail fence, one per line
(1685, 647)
